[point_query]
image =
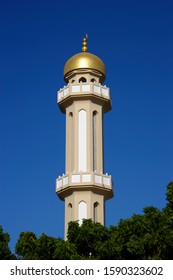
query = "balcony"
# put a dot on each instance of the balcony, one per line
(83, 180)
(83, 90)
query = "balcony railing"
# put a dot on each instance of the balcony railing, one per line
(84, 178)
(83, 88)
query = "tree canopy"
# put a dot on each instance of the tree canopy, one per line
(143, 237)
(5, 252)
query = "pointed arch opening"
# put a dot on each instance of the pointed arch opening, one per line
(82, 140)
(82, 80)
(94, 127)
(95, 211)
(71, 142)
(93, 80)
(69, 212)
(70, 206)
(82, 211)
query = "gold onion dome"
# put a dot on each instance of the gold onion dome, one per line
(85, 61)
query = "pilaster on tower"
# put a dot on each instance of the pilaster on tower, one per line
(84, 187)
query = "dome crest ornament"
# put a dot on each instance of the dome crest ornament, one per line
(84, 44)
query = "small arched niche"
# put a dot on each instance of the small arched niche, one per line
(95, 136)
(82, 80)
(70, 206)
(93, 80)
(70, 136)
(69, 212)
(95, 211)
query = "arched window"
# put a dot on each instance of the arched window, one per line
(69, 212)
(93, 80)
(82, 211)
(94, 141)
(71, 142)
(82, 141)
(82, 80)
(96, 206)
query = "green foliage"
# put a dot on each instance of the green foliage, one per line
(169, 193)
(142, 237)
(45, 247)
(147, 236)
(29, 247)
(65, 251)
(87, 238)
(169, 197)
(5, 253)
(73, 229)
(26, 246)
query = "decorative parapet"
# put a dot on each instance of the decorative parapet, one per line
(85, 179)
(83, 88)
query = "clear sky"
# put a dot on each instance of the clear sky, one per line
(135, 41)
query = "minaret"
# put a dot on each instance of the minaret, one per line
(84, 187)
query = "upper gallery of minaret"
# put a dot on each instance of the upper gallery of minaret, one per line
(81, 68)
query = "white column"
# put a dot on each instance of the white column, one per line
(82, 211)
(82, 138)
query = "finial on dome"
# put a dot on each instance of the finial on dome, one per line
(84, 44)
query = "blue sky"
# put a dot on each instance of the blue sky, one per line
(135, 41)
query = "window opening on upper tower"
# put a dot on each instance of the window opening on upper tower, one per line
(82, 80)
(69, 205)
(70, 121)
(96, 208)
(93, 80)
(82, 211)
(94, 128)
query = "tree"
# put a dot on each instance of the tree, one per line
(169, 197)
(87, 238)
(65, 251)
(167, 250)
(143, 237)
(5, 252)
(45, 247)
(29, 247)
(26, 246)
(147, 236)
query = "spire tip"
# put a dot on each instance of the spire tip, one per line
(84, 44)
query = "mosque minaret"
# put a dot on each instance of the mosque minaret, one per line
(84, 186)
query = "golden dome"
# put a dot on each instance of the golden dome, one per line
(85, 61)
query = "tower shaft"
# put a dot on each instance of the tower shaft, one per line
(84, 145)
